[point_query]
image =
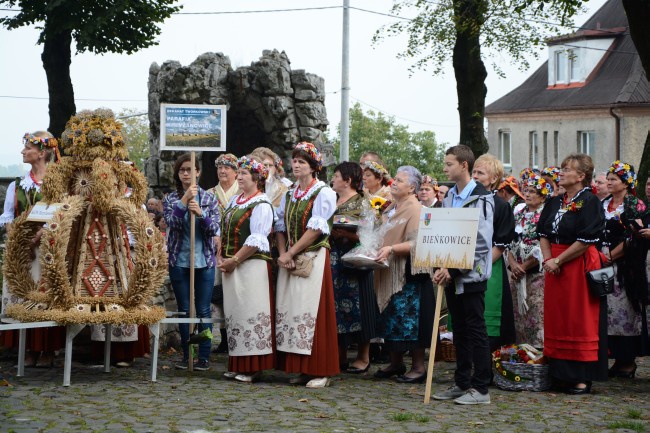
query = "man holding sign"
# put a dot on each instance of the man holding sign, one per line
(465, 288)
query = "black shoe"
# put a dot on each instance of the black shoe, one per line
(354, 370)
(629, 374)
(385, 374)
(579, 391)
(344, 366)
(417, 379)
(221, 348)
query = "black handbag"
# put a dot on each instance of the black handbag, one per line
(601, 281)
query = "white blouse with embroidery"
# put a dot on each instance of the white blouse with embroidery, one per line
(27, 184)
(261, 222)
(323, 210)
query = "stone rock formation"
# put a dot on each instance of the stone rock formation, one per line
(268, 105)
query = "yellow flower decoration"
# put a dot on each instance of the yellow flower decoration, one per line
(377, 202)
(517, 379)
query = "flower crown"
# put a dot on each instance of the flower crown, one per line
(377, 169)
(540, 184)
(227, 159)
(625, 172)
(312, 151)
(42, 142)
(527, 172)
(250, 164)
(552, 172)
(426, 179)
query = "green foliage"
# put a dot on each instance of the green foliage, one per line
(629, 425)
(634, 413)
(510, 28)
(136, 131)
(117, 26)
(397, 146)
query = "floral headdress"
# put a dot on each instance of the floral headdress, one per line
(227, 159)
(42, 142)
(526, 173)
(312, 151)
(540, 184)
(377, 168)
(626, 173)
(252, 165)
(552, 172)
(426, 179)
(511, 182)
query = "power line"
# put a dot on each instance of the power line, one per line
(258, 11)
(402, 118)
(76, 99)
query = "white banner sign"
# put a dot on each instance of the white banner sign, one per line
(193, 127)
(446, 238)
(42, 212)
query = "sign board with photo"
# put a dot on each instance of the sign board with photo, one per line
(446, 238)
(43, 212)
(193, 127)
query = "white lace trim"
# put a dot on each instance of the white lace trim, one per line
(259, 241)
(280, 226)
(587, 241)
(257, 198)
(316, 187)
(5, 219)
(26, 183)
(616, 212)
(318, 223)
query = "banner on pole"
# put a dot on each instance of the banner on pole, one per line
(193, 127)
(446, 238)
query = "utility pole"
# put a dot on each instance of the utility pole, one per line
(345, 85)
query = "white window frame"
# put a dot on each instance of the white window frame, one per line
(502, 143)
(573, 62)
(587, 142)
(534, 149)
(560, 67)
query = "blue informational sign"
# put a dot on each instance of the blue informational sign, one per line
(192, 127)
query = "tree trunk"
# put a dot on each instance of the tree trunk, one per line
(56, 59)
(638, 16)
(470, 73)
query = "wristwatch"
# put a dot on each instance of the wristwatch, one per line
(557, 262)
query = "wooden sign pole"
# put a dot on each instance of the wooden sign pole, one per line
(434, 343)
(192, 236)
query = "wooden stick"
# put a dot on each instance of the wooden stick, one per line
(434, 343)
(190, 359)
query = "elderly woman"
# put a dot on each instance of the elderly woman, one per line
(406, 301)
(525, 264)
(428, 193)
(575, 322)
(244, 260)
(189, 198)
(375, 180)
(354, 294)
(499, 317)
(305, 312)
(624, 215)
(275, 185)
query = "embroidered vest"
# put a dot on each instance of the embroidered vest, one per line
(296, 217)
(24, 199)
(236, 228)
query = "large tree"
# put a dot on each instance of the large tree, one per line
(396, 145)
(116, 26)
(466, 32)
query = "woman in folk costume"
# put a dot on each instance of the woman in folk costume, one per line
(275, 184)
(38, 150)
(525, 264)
(499, 317)
(575, 321)
(405, 296)
(376, 180)
(428, 193)
(306, 319)
(245, 262)
(225, 190)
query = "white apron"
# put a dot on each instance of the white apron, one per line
(297, 302)
(247, 306)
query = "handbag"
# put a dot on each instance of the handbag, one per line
(601, 281)
(304, 265)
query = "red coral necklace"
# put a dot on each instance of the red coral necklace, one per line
(242, 200)
(298, 196)
(31, 175)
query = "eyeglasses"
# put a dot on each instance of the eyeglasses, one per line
(185, 170)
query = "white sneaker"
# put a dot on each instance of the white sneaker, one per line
(319, 382)
(472, 396)
(230, 374)
(450, 393)
(299, 380)
(249, 378)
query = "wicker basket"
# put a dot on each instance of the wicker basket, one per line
(448, 351)
(521, 377)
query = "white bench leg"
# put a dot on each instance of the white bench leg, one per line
(155, 331)
(107, 348)
(71, 331)
(22, 337)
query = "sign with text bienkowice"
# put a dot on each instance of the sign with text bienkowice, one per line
(43, 212)
(446, 238)
(193, 127)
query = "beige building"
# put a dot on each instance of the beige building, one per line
(590, 96)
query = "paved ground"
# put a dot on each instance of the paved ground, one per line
(125, 401)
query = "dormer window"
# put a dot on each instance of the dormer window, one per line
(572, 59)
(566, 67)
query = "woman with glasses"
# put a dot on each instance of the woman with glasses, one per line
(189, 198)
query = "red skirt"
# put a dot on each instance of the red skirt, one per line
(324, 358)
(570, 311)
(254, 363)
(38, 339)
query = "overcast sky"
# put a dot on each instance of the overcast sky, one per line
(311, 39)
